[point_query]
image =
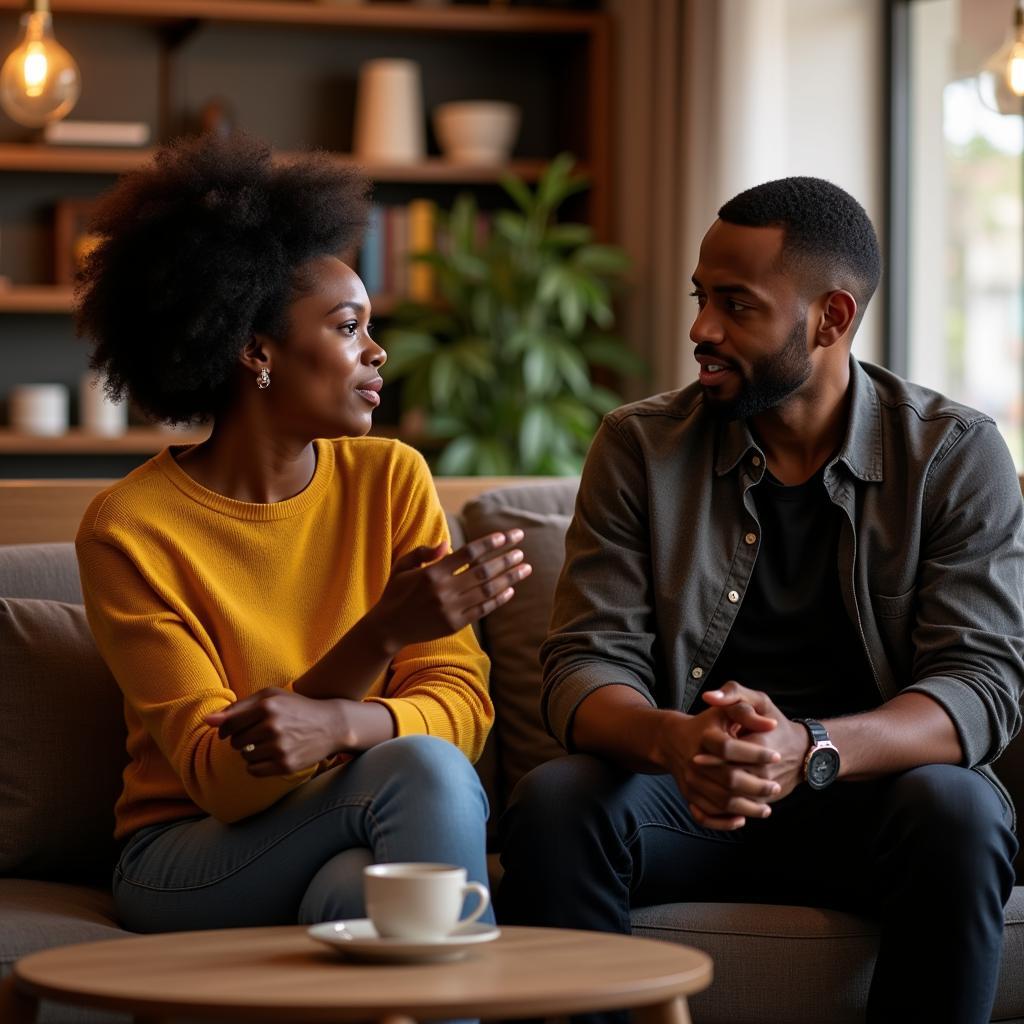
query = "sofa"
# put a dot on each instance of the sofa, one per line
(62, 751)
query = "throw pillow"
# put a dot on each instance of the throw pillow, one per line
(513, 634)
(63, 745)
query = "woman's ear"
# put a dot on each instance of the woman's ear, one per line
(838, 312)
(256, 355)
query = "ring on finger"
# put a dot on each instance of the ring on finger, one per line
(248, 748)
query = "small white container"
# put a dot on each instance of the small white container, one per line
(390, 123)
(38, 409)
(97, 414)
(477, 131)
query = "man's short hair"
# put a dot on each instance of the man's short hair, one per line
(827, 235)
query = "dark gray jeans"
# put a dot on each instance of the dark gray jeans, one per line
(928, 853)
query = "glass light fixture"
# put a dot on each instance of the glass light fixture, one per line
(39, 81)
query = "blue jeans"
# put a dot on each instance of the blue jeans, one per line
(415, 798)
(928, 853)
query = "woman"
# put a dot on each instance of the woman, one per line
(303, 689)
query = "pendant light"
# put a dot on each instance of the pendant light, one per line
(39, 81)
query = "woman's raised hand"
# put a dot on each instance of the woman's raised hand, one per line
(432, 594)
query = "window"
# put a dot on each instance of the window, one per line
(957, 211)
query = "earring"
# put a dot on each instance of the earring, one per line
(263, 379)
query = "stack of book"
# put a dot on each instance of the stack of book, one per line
(395, 233)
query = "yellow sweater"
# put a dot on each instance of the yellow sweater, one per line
(197, 600)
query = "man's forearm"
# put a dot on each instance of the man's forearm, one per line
(616, 722)
(908, 731)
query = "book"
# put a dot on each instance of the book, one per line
(96, 133)
(371, 256)
(397, 279)
(422, 220)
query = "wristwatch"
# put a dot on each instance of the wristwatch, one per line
(821, 765)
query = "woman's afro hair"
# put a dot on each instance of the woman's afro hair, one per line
(198, 251)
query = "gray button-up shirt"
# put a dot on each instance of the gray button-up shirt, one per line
(931, 555)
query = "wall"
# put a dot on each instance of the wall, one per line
(836, 111)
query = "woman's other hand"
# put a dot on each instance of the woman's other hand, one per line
(432, 594)
(279, 732)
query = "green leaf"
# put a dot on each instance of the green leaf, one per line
(604, 350)
(602, 400)
(510, 225)
(475, 357)
(470, 266)
(481, 312)
(595, 295)
(551, 283)
(442, 377)
(533, 432)
(539, 371)
(520, 340)
(557, 182)
(459, 457)
(462, 225)
(493, 458)
(405, 350)
(442, 426)
(519, 192)
(568, 235)
(608, 260)
(574, 369)
(579, 418)
(572, 307)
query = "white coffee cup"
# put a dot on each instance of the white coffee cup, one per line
(420, 902)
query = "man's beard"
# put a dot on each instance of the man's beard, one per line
(770, 381)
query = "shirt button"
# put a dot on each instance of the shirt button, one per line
(697, 672)
(751, 538)
(756, 460)
(733, 596)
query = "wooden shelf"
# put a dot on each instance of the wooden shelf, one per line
(108, 160)
(384, 16)
(42, 298)
(135, 441)
(59, 298)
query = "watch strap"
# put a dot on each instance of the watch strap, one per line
(819, 734)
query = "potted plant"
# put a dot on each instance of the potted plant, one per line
(499, 369)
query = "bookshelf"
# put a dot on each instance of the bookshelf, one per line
(288, 68)
(98, 160)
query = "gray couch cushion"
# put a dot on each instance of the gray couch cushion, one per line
(39, 915)
(787, 964)
(513, 634)
(64, 744)
(40, 570)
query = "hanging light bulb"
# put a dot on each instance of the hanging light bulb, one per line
(39, 81)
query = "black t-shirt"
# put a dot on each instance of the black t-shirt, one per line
(792, 637)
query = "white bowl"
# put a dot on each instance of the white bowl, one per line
(476, 131)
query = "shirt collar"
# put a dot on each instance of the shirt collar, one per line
(861, 451)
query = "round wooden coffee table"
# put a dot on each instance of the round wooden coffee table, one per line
(281, 974)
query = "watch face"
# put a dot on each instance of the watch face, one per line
(822, 768)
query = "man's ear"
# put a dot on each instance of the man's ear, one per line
(256, 355)
(838, 312)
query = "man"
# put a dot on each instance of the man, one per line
(787, 639)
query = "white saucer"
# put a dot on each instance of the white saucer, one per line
(358, 938)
